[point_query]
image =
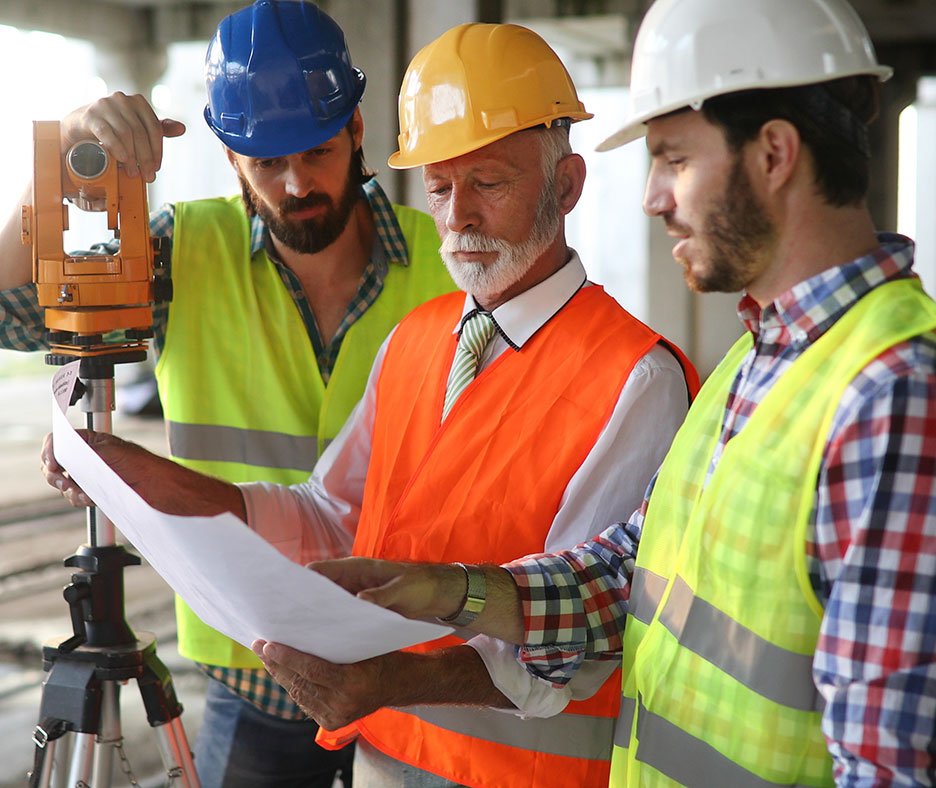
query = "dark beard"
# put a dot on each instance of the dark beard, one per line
(737, 230)
(307, 236)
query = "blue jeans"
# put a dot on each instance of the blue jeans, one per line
(239, 746)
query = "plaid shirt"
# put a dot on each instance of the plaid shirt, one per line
(871, 547)
(22, 328)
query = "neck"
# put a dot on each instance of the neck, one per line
(344, 259)
(812, 240)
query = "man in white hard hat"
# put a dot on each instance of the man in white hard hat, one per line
(488, 416)
(777, 620)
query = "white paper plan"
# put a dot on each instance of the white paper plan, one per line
(234, 580)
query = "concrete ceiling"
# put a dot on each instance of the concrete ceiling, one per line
(162, 21)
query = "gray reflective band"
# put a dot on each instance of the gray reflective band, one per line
(571, 735)
(776, 673)
(250, 447)
(688, 760)
(646, 592)
(625, 722)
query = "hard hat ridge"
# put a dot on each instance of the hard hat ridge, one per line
(279, 79)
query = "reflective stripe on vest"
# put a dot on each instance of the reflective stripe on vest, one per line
(429, 487)
(262, 448)
(568, 735)
(238, 378)
(671, 751)
(776, 673)
(723, 620)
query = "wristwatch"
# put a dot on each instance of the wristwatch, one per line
(474, 598)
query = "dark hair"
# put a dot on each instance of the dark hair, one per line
(831, 118)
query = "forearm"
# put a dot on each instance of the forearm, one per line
(16, 268)
(454, 676)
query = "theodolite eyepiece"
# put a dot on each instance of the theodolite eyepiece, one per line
(87, 159)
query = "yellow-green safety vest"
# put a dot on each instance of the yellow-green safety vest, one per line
(239, 382)
(723, 622)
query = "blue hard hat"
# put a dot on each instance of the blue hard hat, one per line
(280, 79)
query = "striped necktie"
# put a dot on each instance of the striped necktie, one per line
(477, 329)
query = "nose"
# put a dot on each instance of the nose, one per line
(658, 195)
(299, 178)
(462, 211)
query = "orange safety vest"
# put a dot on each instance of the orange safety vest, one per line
(484, 487)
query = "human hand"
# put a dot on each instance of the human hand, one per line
(412, 590)
(127, 127)
(165, 485)
(333, 695)
(115, 452)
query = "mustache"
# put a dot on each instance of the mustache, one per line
(470, 241)
(311, 200)
(676, 227)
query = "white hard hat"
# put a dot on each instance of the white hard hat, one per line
(689, 50)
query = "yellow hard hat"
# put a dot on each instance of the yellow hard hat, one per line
(476, 84)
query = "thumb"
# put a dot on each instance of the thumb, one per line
(172, 128)
(402, 595)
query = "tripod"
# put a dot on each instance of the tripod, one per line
(79, 717)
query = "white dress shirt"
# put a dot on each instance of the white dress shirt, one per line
(318, 518)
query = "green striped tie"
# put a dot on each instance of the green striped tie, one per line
(477, 329)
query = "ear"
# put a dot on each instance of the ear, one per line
(357, 128)
(570, 179)
(232, 157)
(779, 150)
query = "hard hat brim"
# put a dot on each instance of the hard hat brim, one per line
(636, 127)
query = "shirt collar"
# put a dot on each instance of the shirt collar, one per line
(808, 309)
(522, 316)
(389, 243)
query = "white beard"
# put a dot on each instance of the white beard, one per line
(487, 281)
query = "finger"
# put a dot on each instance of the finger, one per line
(129, 129)
(357, 573)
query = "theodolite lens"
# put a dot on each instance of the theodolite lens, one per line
(87, 159)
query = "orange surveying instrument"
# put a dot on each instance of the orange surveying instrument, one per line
(98, 312)
(89, 296)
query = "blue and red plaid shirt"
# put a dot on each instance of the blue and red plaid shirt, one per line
(872, 545)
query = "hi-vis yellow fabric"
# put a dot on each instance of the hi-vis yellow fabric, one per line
(238, 379)
(723, 622)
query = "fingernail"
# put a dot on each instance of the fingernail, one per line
(59, 483)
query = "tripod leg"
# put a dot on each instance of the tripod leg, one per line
(108, 737)
(188, 762)
(61, 759)
(82, 752)
(176, 757)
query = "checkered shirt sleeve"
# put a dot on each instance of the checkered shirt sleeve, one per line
(574, 601)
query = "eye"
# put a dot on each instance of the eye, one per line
(266, 164)
(489, 184)
(439, 191)
(675, 162)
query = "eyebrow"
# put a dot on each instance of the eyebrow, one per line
(660, 147)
